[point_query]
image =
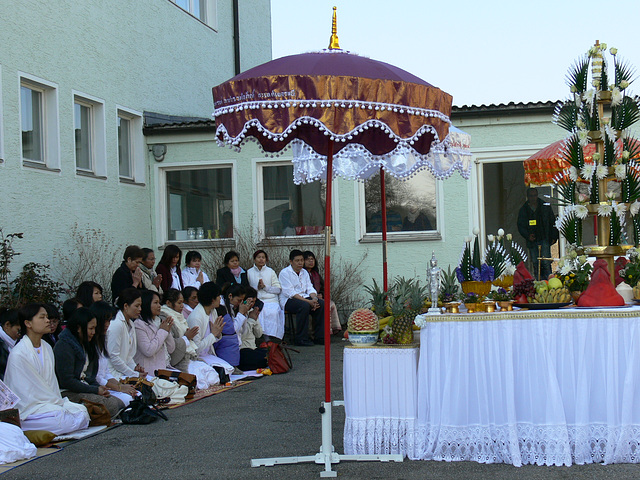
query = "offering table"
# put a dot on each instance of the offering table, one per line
(547, 387)
(380, 399)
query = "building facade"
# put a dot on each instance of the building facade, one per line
(76, 79)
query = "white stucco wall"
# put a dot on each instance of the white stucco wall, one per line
(144, 55)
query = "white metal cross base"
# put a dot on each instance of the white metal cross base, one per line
(327, 454)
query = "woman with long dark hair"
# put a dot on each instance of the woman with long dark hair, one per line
(228, 347)
(104, 314)
(153, 336)
(77, 363)
(31, 376)
(121, 336)
(88, 292)
(169, 268)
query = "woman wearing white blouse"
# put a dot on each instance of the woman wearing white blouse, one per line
(266, 282)
(31, 376)
(192, 274)
(121, 336)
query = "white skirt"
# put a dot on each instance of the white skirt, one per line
(272, 319)
(206, 375)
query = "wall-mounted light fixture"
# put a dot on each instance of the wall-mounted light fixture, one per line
(159, 150)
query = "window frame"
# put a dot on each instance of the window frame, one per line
(97, 137)
(258, 187)
(2, 162)
(376, 237)
(209, 12)
(162, 206)
(137, 156)
(50, 122)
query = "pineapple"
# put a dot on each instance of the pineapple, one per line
(449, 286)
(406, 303)
(378, 299)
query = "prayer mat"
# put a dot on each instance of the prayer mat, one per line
(42, 452)
(207, 392)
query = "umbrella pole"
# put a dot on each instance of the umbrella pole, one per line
(383, 210)
(327, 277)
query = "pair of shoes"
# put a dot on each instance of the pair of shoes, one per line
(237, 371)
(305, 343)
(318, 341)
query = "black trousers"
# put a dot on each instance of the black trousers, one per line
(252, 359)
(302, 310)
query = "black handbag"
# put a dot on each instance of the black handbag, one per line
(224, 376)
(138, 413)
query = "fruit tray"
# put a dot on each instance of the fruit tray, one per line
(542, 306)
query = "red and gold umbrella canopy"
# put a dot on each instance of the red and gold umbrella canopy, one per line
(377, 115)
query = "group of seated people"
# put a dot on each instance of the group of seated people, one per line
(163, 319)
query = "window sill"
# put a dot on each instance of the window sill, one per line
(201, 243)
(85, 173)
(402, 237)
(294, 241)
(39, 165)
(130, 181)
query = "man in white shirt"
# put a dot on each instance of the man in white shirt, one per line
(299, 297)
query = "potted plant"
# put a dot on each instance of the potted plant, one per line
(472, 301)
(472, 273)
(574, 271)
(503, 298)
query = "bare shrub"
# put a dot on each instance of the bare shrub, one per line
(91, 256)
(346, 276)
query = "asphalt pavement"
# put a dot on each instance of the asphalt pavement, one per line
(277, 416)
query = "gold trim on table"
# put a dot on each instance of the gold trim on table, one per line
(396, 346)
(624, 312)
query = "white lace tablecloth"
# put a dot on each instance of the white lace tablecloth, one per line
(380, 398)
(547, 387)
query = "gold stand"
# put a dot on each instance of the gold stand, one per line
(540, 259)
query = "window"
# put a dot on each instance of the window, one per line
(40, 143)
(197, 8)
(289, 209)
(200, 203)
(83, 129)
(124, 147)
(131, 166)
(89, 136)
(411, 204)
(32, 112)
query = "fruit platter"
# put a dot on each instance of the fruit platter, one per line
(538, 294)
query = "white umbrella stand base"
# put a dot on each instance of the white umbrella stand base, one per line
(327, 454)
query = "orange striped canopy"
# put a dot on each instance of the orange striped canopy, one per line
(541, 167)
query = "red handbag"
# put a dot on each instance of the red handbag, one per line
(278, 357)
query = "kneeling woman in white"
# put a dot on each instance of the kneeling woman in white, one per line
(31, 376)
(209, 324)
(266, 282)
(121, 336)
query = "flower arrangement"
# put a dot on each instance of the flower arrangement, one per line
(470, 297)
(471, 267)
(574, 270)
(631, 272)
(500, 295)
(583, 116)
(503, 254)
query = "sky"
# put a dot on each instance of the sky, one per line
(481, 52)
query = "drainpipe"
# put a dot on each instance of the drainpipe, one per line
(236, 37)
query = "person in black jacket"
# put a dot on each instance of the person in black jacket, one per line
(232, 272)
(76, 359)
(128, 274)
(536, 223)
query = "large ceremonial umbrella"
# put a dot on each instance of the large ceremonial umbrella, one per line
(343, 114)
(541, 167)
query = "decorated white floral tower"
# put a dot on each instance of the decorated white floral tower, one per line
(600, 112)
